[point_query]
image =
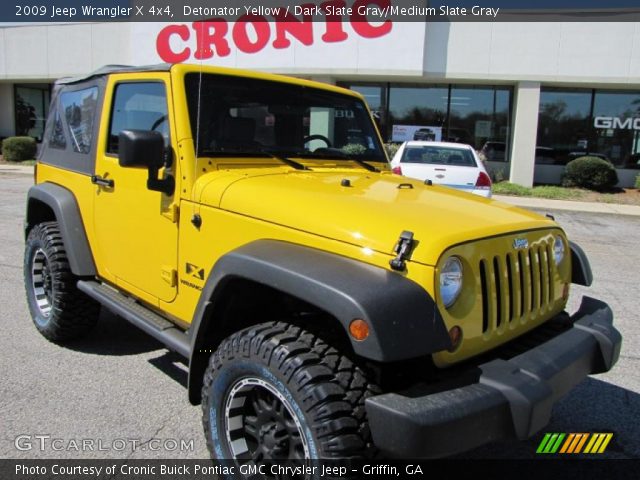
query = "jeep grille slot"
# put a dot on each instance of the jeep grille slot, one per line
(513, 288)
(497, 274)
(485, 297)
(525, 297)
(516, 286)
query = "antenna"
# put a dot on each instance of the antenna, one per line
(198, 110)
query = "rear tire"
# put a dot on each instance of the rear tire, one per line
(59, 310)
(277, 392)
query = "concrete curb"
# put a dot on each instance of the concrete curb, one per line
(546, 204)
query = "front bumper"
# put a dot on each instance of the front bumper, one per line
(512, 398)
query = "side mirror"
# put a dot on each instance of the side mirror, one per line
(140, 148)
(145, 148)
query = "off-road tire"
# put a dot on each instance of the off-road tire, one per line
(59, 310)
(324, 388)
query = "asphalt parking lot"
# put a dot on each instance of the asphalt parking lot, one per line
(118, 389)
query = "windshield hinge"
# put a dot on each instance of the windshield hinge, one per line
(172, 213)
(403, 251)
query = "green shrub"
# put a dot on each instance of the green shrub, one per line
(638, 182)
(354, 149)
(391, 149)
(590, 172)
(18, 149)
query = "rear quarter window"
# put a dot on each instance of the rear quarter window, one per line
(79, 110)
(69, 139)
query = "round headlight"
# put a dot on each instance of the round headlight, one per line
(558, 250)
(450, 281)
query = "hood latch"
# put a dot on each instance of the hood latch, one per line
(403, 251)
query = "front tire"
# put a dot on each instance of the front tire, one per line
(277, 392)
(59, 310)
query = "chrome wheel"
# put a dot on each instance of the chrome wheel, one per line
(261, 424)
(42, 283)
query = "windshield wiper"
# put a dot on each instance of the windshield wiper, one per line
(365, 165)
(258, 153)
(339, 154)
(288, 161)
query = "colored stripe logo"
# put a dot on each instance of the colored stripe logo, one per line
(591, 443)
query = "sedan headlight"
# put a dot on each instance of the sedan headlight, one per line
(450, 281)
(558, 250)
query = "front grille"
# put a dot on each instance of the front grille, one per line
(516, 286)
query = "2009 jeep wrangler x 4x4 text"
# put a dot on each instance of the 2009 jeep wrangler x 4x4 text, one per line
(328, 308)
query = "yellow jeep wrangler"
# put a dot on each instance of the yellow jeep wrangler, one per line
(328, 308)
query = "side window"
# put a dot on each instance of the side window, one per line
(138, 106)
(56, 136)
(79, 109)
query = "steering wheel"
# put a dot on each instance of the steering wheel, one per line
(317, 137)
(158, 122)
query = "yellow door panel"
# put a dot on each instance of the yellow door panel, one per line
(136, 228)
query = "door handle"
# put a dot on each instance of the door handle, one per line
(103, 182)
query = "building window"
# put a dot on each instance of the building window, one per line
(616, 125)
(31, 109)
(376, 98)
(417, 113)
(575, 123)
(477, 115)
(563, 125)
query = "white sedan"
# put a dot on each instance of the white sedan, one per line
(449, 164)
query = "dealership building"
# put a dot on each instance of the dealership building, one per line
(531, 95)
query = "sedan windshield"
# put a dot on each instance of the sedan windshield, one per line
(245, 116)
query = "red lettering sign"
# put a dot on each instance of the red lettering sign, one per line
(163, 43)
(210, 34)
(252, 33)
(260, 27)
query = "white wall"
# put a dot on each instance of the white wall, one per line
(559, 52)
(47, 52)
(576, 53)
(399, 52)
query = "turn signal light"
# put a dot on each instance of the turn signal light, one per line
(455, 335)
(359, 329)
(397, 170)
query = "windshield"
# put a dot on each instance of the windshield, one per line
(251, 116)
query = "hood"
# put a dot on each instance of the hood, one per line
(369, 210)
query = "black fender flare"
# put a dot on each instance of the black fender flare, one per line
(65, 209)
(404, 320)
(580, 267)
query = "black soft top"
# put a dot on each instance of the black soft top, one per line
(108, 69)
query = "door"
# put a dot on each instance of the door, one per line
(136, 229)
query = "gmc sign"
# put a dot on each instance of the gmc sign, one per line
(616, 123)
